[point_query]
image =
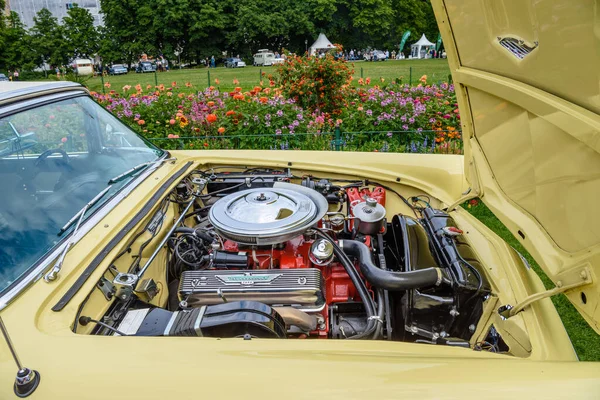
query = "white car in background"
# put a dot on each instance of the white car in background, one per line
(264, 57)
(234, 62)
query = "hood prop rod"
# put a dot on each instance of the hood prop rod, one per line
(507, 311)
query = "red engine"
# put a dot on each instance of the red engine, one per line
(338, 287)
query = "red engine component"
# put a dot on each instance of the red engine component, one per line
(355, 195)
(294, 254)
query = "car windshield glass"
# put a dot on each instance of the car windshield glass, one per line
(53, 160)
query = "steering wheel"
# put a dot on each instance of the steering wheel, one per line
(27, 181)
(42, 158)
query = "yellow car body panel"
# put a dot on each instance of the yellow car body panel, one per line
(526, 76)
(505, 103)
(79, 366)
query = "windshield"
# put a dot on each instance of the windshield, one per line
(55, 158)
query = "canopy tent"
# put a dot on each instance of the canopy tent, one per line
(420, 48)
(322, 43)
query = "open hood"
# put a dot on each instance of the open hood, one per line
(527, 78)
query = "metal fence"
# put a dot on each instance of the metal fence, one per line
(412, 141)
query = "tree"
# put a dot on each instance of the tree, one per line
(47, 39)
(201, 28)
(127, 23)
(81, 38)
(271, 24)
(17, 51)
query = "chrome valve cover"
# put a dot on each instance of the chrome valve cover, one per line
(301, 288)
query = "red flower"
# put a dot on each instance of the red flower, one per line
(211, 118)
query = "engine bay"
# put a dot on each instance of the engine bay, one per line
(265, 253)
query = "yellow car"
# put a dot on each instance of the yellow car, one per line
(129, 272)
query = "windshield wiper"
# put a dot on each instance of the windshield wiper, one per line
(137, 168)
(53, 273)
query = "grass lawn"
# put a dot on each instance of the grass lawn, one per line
(585, 340)
(436, 71)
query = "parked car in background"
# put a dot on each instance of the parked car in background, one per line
(117, 69)
(378, 55)
(83, 66)
(3, 78)
(264, 57)
(145, 66)
(234, 62)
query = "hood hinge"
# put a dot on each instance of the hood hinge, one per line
(567, 281)
(472, 192)
(466, 196)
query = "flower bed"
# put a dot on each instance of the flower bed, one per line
(395, 118)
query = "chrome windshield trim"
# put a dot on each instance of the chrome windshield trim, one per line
(45, 262)
(19, 91)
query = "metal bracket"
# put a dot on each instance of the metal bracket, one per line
(106, 287)
(122, 279)
(125, 284)
(569, 281)
(147, 289)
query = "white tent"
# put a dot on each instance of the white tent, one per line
(322, 43)
(421, 48)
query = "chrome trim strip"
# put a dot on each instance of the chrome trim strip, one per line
(26, 104)
(170, 324)
(22, 92)
(45, 262)
(199, 321)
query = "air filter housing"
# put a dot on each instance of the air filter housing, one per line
(266, 216)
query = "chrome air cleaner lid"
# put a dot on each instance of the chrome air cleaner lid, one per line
(264, 216)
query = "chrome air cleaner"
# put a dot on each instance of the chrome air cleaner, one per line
(265, 216)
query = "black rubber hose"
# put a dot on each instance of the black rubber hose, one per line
(191, 231)
(390, 280)
(358, 283)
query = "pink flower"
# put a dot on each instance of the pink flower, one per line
(172, 121)
(64, 140)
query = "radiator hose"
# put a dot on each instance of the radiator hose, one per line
(389, 280)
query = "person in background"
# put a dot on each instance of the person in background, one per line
(393, 54)
(16, 75)
(387, 54)
(212, 62)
